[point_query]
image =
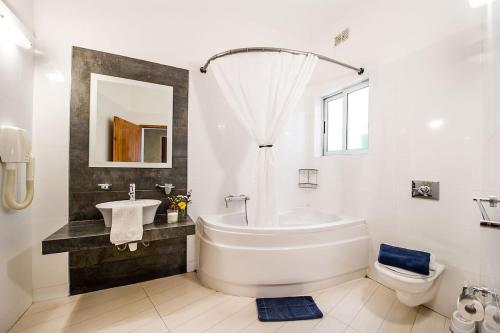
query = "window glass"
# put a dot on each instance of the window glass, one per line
(335, 116)
(357, 119)
(345, 116)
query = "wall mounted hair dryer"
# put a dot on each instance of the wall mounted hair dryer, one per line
(15, 148)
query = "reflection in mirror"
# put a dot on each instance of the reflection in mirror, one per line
(130, 123)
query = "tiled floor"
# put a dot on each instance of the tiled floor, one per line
(180, 304)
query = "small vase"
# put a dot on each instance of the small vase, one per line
(182, 213)
(172, 216)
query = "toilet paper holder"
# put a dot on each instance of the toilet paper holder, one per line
(468, 291)
(485, 293)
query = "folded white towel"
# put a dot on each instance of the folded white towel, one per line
(126, 224)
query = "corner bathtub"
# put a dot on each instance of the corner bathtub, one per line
(310, 250)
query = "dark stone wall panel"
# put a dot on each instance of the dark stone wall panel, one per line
(83, 180)
(107, 267)
(100, 268)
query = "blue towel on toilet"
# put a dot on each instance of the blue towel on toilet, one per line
(287, 308)
(411, 260)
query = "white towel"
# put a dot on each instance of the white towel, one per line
(126, 224)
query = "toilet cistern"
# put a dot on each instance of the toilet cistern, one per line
(131, 192)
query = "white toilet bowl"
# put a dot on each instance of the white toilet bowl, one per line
(411, 288)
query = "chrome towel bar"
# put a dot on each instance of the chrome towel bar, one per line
(486, 221)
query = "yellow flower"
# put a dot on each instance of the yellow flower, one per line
(182, 205)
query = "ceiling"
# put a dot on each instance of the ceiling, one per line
(303, 19)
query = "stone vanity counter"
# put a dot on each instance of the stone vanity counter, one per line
(86, 235)
(95, 263)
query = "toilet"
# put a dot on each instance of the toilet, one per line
(412, 289)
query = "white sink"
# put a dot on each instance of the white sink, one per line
(149, 207)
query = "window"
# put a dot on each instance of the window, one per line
(345, 120)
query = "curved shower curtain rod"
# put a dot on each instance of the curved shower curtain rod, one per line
(203, 69)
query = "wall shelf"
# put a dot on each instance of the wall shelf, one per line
(86, 235)
(308, 178)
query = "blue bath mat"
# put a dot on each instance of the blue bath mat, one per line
(287, 308)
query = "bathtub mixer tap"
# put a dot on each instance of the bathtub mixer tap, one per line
(241, 197)
(231, 197)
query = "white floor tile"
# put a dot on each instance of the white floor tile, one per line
(428, 321)
(350, 305)
(372, 315)
(262, 327)
(177, 303)
(331, 297)
(157, 286)
(447, 326)
(351, 330)
(329, 325)
(195, 309)
(123, 319)
(178, 292)
(156, 326)
(237, 321)
(79, 311)
(400, 319)
(213, 316)
(299, 326)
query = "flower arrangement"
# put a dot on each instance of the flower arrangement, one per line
(179, 202)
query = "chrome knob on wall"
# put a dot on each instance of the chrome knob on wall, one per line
(167, 188)
(425, 189)
(105, 187)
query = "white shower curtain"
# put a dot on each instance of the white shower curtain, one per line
(263, 88)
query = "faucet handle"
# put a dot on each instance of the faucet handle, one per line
(104, 187)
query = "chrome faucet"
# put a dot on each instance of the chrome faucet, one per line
(231, 197)
(241, 197)
(131, 192)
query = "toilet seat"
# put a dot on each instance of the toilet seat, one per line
(405, 276)
(409, 274)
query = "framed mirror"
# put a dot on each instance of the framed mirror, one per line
(130, 123)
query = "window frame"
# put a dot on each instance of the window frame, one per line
(342, 93)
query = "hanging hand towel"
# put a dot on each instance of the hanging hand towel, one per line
(127, 224)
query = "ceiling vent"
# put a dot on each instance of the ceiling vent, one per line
(342, 37)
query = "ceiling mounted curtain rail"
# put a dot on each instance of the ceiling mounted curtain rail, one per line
(359, 70)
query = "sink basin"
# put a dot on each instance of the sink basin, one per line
(149, 207)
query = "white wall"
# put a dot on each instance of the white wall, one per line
(175, 33)
(16, 96)
(423, 61)
(490, 244)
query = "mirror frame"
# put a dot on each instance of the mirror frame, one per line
(93, 163)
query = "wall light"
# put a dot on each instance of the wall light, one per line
(479, 3)
(13, 28)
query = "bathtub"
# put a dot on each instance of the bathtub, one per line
(309, 250)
